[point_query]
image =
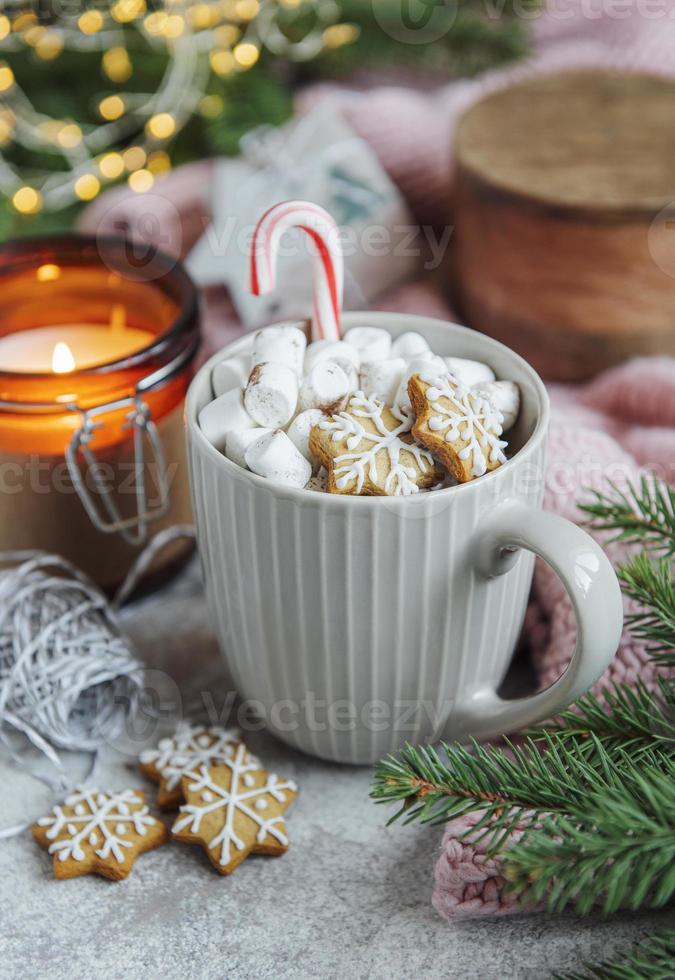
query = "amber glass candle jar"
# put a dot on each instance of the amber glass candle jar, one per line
(96, 352)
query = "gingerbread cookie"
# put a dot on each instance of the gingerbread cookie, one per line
(458, 425)
(190, 747)
(99, 833)
(234, 810)
(368, 450)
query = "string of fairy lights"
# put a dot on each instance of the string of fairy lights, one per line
(133, 137)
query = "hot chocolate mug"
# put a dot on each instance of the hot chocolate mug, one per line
(356, 624)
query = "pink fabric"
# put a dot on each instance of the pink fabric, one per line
(468, 882)
(609, 429)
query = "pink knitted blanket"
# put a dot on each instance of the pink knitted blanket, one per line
(612, 428)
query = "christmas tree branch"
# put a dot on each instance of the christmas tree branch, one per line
(650, 584)
(507, 788)
(616, 848)
(643, 514)
(650, 959)
(631, 720)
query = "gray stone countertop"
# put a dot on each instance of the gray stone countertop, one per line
(350, 899)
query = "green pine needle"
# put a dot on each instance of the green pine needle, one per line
(506, 787)
(615, 848)
(643, 514)
(650, 583)
(651, 959)
(627, 719)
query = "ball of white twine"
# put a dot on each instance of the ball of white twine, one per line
(68, 677)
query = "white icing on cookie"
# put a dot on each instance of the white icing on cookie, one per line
(189, 748)
(473, 419)
(354, 465)
(107, 813)
(233, 799)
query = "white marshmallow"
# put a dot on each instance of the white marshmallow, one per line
(224, 414)
(337, 351)
(275, 457)
(325, 387)
(299, 430)
(503, 396)
(271, 395)
(238, 441)
(409, 344)
(382, 378)
(426, 363)
(470, 372)
(284, 344)
(230, 373)
(372, 343)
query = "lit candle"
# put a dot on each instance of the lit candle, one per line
(69, 346)
(95, 359)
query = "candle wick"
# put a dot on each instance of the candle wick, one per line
(118, 317)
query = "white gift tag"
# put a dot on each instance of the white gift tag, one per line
(318, 158)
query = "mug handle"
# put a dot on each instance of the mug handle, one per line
(591, 584)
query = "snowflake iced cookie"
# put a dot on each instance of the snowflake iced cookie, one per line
(99, 833)
(369, 450)
(235, 810)
(190, 747)
(459, 426)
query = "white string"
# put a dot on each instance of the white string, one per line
(68, 677)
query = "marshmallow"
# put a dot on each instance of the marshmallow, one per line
(424, 364)
(284, 344)
(470, 372)
(299, 430)
(230, 373)
(238, 441)
(372, 343)
(275, 457)
(271, 395)
(504, 396)
(337, 351)
(224, 414)
(409, 344)
(382, 378)
(325, 387)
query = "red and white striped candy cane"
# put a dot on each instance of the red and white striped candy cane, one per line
(328, 265)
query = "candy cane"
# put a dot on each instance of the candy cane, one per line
(327, 263)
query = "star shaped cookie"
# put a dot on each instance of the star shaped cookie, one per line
(93, 832)
(190, 747)
(459, 426)
(235, 810)
(368, 450)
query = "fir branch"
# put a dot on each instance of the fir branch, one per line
(650, 584)
(616, 848)
(506, 787)
(650, 959)
(630, 721)
(643, 514)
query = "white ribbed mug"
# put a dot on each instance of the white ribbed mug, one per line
(358, 623)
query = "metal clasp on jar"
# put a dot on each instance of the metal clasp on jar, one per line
(106, 517)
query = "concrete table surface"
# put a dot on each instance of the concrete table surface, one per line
(350, 899)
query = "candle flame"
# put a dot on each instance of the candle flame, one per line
(62, 359)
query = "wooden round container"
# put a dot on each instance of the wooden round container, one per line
(564, 244)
